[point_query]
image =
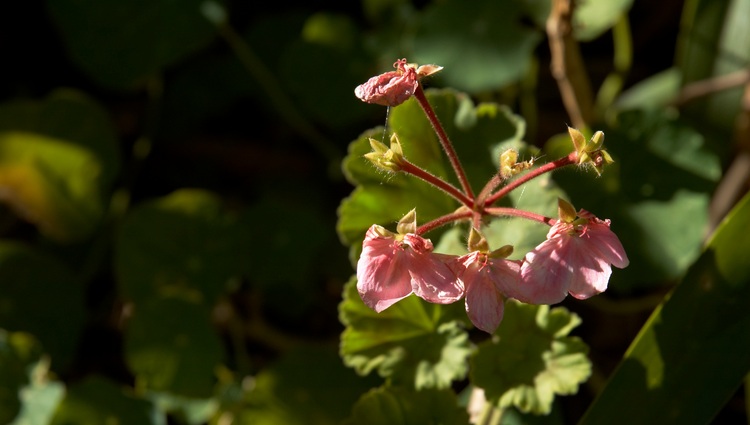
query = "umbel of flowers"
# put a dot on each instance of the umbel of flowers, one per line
(576, 258)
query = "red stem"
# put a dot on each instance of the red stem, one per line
(441, 221)
(502, 211)
(536, 172)
(444, 140)
(436, 181)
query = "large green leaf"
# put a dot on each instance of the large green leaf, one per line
(39, 295)
(379, 199)
(413, 343)
(180, 245)
(482, 47)
(57, 159)
(532, 360)
(692, 354)
(96, 401)
(118, 42)
(400, 406)
(171, 346)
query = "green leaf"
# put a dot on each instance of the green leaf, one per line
(118, 43)
(413, 343)
(482, 47)
(18, 352)
(41, 395)
(379, 199)
(171, 346)
(188, 410)
(57, 159)
(180, 245)
(39, 295)
(593, 17)
(401, 406)
(306, 386)
(683, 366)
(532, 358)
(96, 401)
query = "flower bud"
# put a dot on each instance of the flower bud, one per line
(408, 223)
(566, 211)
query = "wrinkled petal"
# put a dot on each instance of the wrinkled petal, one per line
(432, 279)
(545, 275)
(484, 303)
(389, 89)
(592, 274)
(382, 272)
(606, 243)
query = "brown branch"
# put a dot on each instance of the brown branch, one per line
(698, 89)
(567, 66)
(736, 179)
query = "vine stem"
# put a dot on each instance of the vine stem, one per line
(444, 140)
(536, 172)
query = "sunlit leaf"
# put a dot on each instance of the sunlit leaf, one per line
(117, 42)
(593, 17)
(41, 394)
(96, 401)
(179, 245)
(39, 295)
(401, 406)
(482, 47)
(57, 160)
(307, 386)
(18, 352)
(414, 343)
(532, 359)
(683, 366)
(171, 346)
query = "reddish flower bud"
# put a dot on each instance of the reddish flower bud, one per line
(392, 88)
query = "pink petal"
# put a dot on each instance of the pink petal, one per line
(606, 243)
(382, 272)
(484, 303)
(545, 274)
(433, 280)
(591, 277)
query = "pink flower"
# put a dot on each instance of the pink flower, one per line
(576, 258)
(392, 88)
(486, 281)
(393, 266)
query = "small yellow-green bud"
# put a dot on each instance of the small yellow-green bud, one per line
(577, 137)
(408, 223)
(566, 211)
(477, 242)
(596, 142)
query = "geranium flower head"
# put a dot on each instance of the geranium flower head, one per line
(576, 258)
(394, 87)
(394, 265)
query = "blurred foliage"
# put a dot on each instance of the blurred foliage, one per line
(171, 174)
